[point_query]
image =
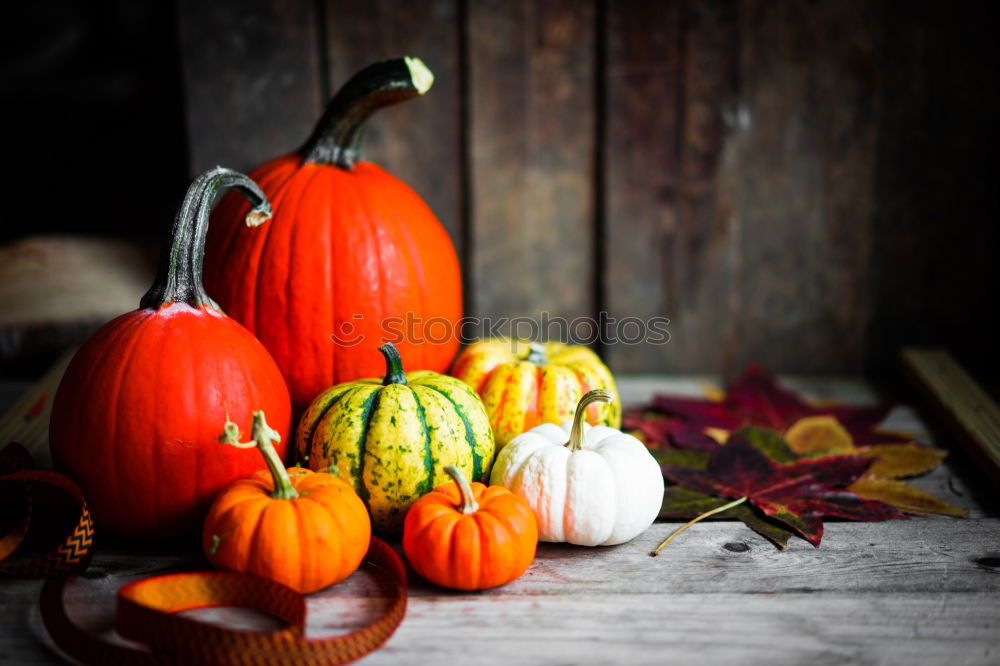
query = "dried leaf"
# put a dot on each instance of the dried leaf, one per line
(815, 436)
(894, 461)
(681, 502)
(756, 398)
(903, 496)
(767, 442)
(798, 494)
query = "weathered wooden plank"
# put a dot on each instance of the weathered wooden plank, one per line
(420, 141)
(701, 252)
(642, 89)
(251, 79)
(531, 75)
(801, 169)
(57, 290)
(729, 629)
(960, 403)
(785, 628)
(934, 239)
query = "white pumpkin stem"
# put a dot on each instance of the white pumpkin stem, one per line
(575, 442)
(688, 524)
(469, 504)
(262, 436)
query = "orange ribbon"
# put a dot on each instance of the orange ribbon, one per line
(147, 609)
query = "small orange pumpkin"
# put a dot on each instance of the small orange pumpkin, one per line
(470, 537)
(305, 529)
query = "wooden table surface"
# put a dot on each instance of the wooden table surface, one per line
(923, 591)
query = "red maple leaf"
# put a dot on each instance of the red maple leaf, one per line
(755, 398)
(798, 494)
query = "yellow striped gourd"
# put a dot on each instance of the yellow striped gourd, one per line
(393, 437)
(526, 384)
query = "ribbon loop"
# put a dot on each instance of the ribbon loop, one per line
(147, 611)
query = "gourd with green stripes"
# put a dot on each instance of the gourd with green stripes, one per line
(393, 437)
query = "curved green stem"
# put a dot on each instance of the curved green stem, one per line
(688, 524)
(178, 279)
(393, 365)
(575, 442)
(336, 140)
(469, 504)
(536, 354)
(262, 436)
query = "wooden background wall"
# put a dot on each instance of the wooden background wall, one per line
(809, 184)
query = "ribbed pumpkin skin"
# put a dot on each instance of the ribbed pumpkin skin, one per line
(393, 441)
(490, 547)
(520, 394)
(341, 243)
(136, 418)
(308, 543)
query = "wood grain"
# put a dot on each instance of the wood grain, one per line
(420, 141)
(251, 76)
(642, 89)
(934, 237)
(56, 290)
(531, 69)
(888, 592)
(960, 404)
(802, 178)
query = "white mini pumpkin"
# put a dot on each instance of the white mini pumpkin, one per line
(591, 486)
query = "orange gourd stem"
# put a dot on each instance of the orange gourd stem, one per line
(575, 442)
(469, 504)
(336, 140)
(178, 279)
(536, 354)
(261, 437)
(394, 373)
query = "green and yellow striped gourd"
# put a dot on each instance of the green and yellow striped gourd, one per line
(393, 437)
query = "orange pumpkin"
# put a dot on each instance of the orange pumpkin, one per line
(350, 249)
(470, 537)
(305, 529)
(524, 385)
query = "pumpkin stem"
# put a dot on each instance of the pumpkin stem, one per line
(691, 522)
(178, 279)
(575, 442)
(469, 504)
(262, 436)
(536, 353)
(393, 365)
(336, 140)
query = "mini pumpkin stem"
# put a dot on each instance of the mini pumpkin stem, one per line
(178, 279)
(337, 137)
(262, 436)
(536, 353)
(469, 504)
(394, 373)
(575, 442)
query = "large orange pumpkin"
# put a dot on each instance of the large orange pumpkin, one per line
(305, 529)
(350, 246)
(135, 419)
(469, 536)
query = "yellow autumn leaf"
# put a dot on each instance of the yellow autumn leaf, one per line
(718, 434)
(893, 461)
(712, 392)
(903, 496)
(815, 436)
